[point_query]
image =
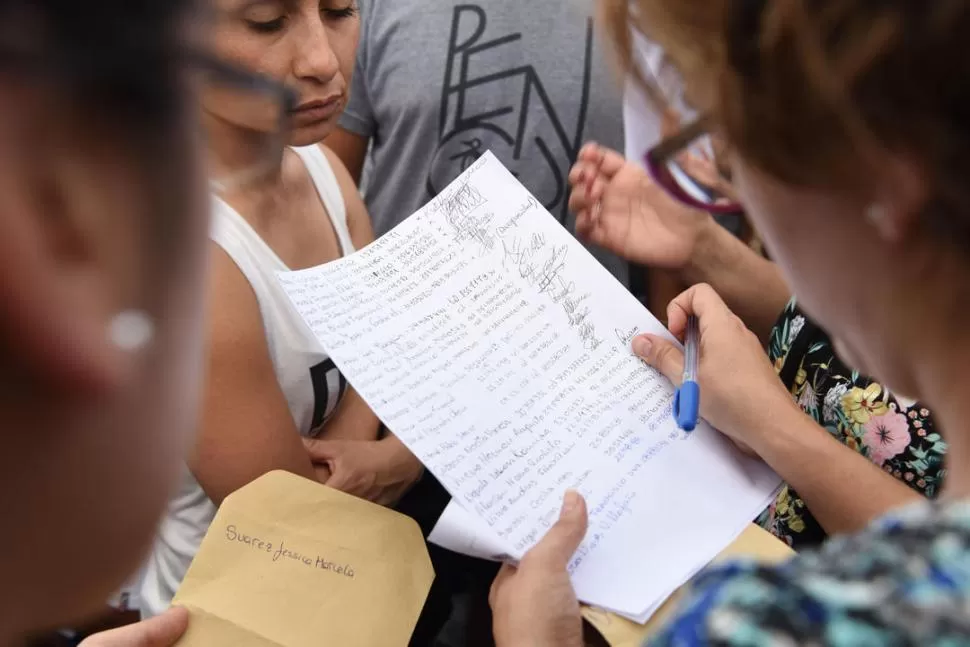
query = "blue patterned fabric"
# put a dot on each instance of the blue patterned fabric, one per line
(905, 581)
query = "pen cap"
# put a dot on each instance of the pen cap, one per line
(687, 403)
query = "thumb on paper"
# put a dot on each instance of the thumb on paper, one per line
(662, 355)
(565, 536)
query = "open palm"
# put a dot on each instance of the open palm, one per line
(619, 207)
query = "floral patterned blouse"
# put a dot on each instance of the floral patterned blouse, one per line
(896, 435)
(905, 581)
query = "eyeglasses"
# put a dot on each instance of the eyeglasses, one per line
(687, 188)
(254, 103)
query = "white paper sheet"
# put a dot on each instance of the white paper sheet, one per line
(498, 349)
(462, 532)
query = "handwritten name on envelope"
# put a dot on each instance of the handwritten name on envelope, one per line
(288, 562)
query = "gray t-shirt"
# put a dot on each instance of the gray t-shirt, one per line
(439, 82)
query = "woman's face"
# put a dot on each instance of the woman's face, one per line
(836, 263)
(307, 45)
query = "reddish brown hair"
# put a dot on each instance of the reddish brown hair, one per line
(815, 92)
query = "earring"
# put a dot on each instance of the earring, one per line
(876, 214)
(879, 218)
(131, 330)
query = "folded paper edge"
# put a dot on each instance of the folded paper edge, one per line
(195, 611)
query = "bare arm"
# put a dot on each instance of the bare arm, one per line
(821, 470)
(751, 285)
(351, 149)
(353, 420)
(247, 429)
(619, 207)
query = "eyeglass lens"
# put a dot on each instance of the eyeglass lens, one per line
(686, 166)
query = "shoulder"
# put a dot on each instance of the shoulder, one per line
(866, 589)
(321, 158)
(234, 319)
(344, 180)
(356, 209)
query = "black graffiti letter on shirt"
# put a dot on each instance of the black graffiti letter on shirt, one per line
(506, 108)
(329, 386)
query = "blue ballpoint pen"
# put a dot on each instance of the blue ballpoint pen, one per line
(687, 400)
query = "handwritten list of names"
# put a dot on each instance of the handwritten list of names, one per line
(498, 350)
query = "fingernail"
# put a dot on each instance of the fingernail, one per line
(641, 346)
(570, 501)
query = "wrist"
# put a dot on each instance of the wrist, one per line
(788, 436)
(703, 257)
(400, 456)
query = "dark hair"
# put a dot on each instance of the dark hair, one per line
(82, 28)
(114, 52)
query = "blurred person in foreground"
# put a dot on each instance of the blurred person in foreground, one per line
(851, 150)
(102, 245)
(102, 261)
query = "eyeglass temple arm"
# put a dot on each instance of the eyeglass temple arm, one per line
(244, 79)
(674, 144)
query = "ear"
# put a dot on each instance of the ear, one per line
(899, 198)
(57, 292)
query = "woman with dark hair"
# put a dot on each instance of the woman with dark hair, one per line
(851, 145)
(280, 201)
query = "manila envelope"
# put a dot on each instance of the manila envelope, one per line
(288, 562)
(754, 544)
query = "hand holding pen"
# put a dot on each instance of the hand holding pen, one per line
(742, 395)
(687, 401)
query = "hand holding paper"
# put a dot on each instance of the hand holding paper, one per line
(534, 603)
(741, 388)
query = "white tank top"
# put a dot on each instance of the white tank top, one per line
(308, 378)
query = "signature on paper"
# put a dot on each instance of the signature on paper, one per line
(626, 338)
(543, 266)
(459, 212)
